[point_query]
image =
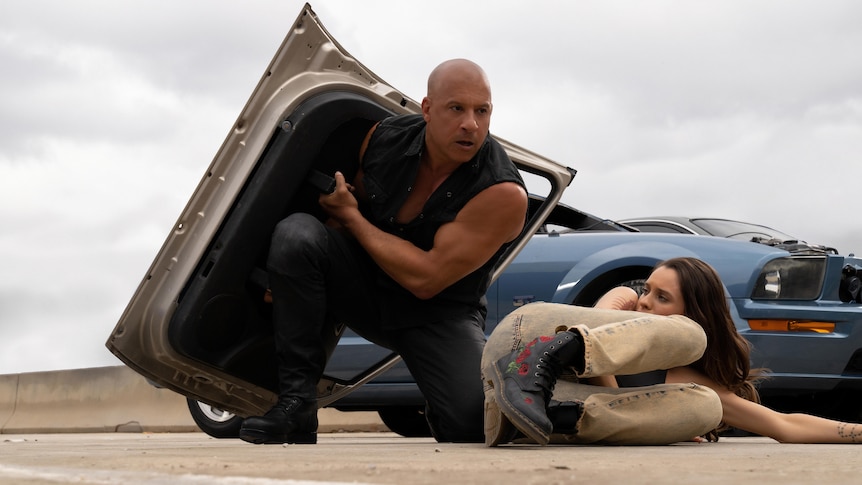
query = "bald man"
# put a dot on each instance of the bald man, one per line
(405, 260)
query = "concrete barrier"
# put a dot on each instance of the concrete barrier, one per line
(102, 399)
(8, 394)
(115, 399)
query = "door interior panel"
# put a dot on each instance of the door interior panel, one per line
(221, 318)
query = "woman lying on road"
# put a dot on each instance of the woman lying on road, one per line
(522, 378)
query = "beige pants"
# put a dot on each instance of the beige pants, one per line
(617, 343)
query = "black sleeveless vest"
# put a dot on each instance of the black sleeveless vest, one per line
(390, 165)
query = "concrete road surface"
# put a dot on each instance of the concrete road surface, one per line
(385, 458)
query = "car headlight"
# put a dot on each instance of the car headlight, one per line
(795, 278)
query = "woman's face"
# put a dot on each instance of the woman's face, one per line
(662, 294)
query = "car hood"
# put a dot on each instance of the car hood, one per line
(309, 66)
(731, 229)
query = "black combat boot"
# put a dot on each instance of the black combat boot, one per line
(499, 430)
(524, 380)
(301, 356)
(291, 420)
(298, 318)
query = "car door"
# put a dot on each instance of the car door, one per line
(198, 322)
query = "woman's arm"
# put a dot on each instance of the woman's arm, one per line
(786, 428)
(619, 298)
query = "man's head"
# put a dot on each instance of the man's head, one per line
(457, 109)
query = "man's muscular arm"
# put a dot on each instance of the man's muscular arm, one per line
(493, 217)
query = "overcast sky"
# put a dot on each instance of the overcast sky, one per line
(110, 112)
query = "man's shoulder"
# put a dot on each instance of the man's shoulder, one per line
(398, 133)
(403, 121)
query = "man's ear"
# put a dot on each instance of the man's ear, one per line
(426, 107)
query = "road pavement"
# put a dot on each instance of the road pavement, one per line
(386, 458)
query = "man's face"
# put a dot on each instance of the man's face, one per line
(458, 117)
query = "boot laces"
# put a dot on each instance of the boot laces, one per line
(286, 406)
(548, 368)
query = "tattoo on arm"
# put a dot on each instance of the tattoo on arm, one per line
(850, 431)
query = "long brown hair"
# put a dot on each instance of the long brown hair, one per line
(726, 359)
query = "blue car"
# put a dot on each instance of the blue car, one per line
(199, 323)
(799, 307)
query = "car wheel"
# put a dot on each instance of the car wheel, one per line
(214, 421)
(637, 285)
(409, 422)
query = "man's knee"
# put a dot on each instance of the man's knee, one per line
(461, 423)
(296, 237)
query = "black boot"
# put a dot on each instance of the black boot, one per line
(524, 381)
(302, 338)
(498, 429)
(564, 417)
(291, 420)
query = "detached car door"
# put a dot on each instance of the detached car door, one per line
(198, 323)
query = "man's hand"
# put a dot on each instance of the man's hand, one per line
(493, 217)
(340, 205)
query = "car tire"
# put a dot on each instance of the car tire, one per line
(214, 421)
(636, 284)
(409, 422)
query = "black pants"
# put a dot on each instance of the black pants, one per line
(319, 277)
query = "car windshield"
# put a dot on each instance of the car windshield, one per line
(739, 230)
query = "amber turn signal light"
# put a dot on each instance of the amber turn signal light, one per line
(791, 326)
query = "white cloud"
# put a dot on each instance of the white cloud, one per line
(110, 113)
